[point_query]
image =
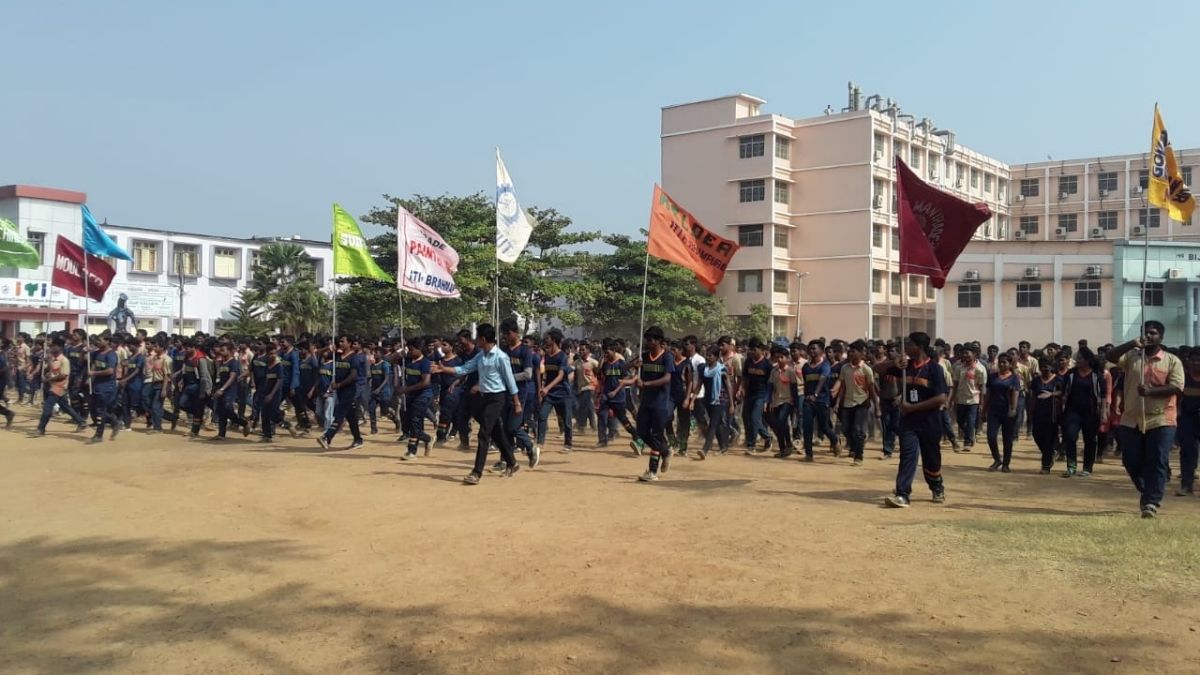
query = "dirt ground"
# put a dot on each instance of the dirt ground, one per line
(156, 554)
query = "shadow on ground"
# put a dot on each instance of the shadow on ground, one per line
(96, 604)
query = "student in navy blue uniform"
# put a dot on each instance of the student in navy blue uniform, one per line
(1188, 430)
(104, 388)
(226, 392)
(555, 393)
(381, 390)
(277, 373)
(530, 406)
(469, 405)
(77, 354)
(310, 370)
(258, 375)
(756, 374)
(817, 376)
(131, 383)
(292, 357)
(1045, 392)
(521, 358)
(999, 403)
(615, 379)
(680, 426)
(451, 396)
(417, 397)
(324, 398)
(925, 392)
(350, 365)
(654, 407)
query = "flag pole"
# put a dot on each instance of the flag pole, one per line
(1142, 327)
(87, 309)
(645, 284)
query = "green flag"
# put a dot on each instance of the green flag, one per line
(15, 251)
(351, 256)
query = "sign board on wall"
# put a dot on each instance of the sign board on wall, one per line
(30, 293)
(145, 300)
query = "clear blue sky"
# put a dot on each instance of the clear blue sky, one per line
(252, 117)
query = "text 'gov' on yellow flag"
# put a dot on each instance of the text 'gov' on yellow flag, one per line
(351, 255)
(1167, 189)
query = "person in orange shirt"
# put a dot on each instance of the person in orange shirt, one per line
(1153, 380)
(58, 373)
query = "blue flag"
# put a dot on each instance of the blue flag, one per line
(96, 242)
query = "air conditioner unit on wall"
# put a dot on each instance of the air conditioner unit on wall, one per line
(1136, 190)
(1103, 194)
(1174, 273)
(971, 275)
(878, 155)
(1139, 231)
(1060, 232)
(878, 201)
(1019, 197)
(1092, 271)
(1019, 235)
(1097, 233)
(1032, 273)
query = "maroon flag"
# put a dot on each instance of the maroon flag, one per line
(69, 270)
(935, 227)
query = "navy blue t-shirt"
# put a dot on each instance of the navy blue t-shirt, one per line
(521, 358)
(653, 369)
(104, 361)
(812, 378)
(227, 370)
(554, 365)
(999, 391)
(612, 373)
(757, 375)
(923, 383)
(677, 392)
(414, 372)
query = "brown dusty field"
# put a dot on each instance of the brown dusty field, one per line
(156, 554)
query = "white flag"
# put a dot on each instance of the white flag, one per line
(426, 263)
(513, 224)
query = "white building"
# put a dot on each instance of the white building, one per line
(213, 270)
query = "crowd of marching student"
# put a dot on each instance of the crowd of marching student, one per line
(678, 398)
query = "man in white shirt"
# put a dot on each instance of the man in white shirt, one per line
(970, 378)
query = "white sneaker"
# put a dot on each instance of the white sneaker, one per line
(648, 477)
(535, 456)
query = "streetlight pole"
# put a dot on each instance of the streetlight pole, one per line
(799, 300)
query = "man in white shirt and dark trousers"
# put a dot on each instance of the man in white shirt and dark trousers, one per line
(495, 382)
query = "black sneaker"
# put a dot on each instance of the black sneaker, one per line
(499, 467)
(896, 501)
(355, 445)
(322, 441)
(939, 497)
(1149, 511)
(411, 454)
(8, 419)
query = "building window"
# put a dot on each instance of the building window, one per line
(1029, 295)
(1068, 222)
(752, 191)
(1002, 184)
(974, 178)
(895, 283)
(779, 323)
(186, 259)
(1186, 172)
(189, 327)
(1148, 217)
(783, 147)
(1152, 294)
(1029, 224)
(751, 146)
(145, 257)
(1087, 293)
(914, 156)
(254, 255)
(781, 283)
(876, 281)
(877, 235)
(1029, 187)
(225, 263)
(1107, 181)
(895, 238)
(1144, 178)
(913, 290)
(1108, 220)
(750, 235)
(928, 290)
(987, 182)
(970, 296)
(880, 146)
(750, 281)
(38, 241)
(897, 149)
(781, 192)
(1068, 185)
(781, 237)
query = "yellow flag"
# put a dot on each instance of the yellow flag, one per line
(1166, 184)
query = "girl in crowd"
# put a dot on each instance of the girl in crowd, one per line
(1046, 391)
(1085, 398)
(1000, 402)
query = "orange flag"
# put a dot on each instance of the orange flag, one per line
(676, 236)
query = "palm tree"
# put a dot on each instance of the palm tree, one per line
(282, 284)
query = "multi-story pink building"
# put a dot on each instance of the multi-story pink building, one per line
(812, 203)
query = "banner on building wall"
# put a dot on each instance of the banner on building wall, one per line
(145, 300)
(30, 293)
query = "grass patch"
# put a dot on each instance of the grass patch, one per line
(1117, 551)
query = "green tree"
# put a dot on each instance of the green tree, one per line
(758, 322)
(247, 316)
(675, 301)
(284, 289)
(532, 287)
